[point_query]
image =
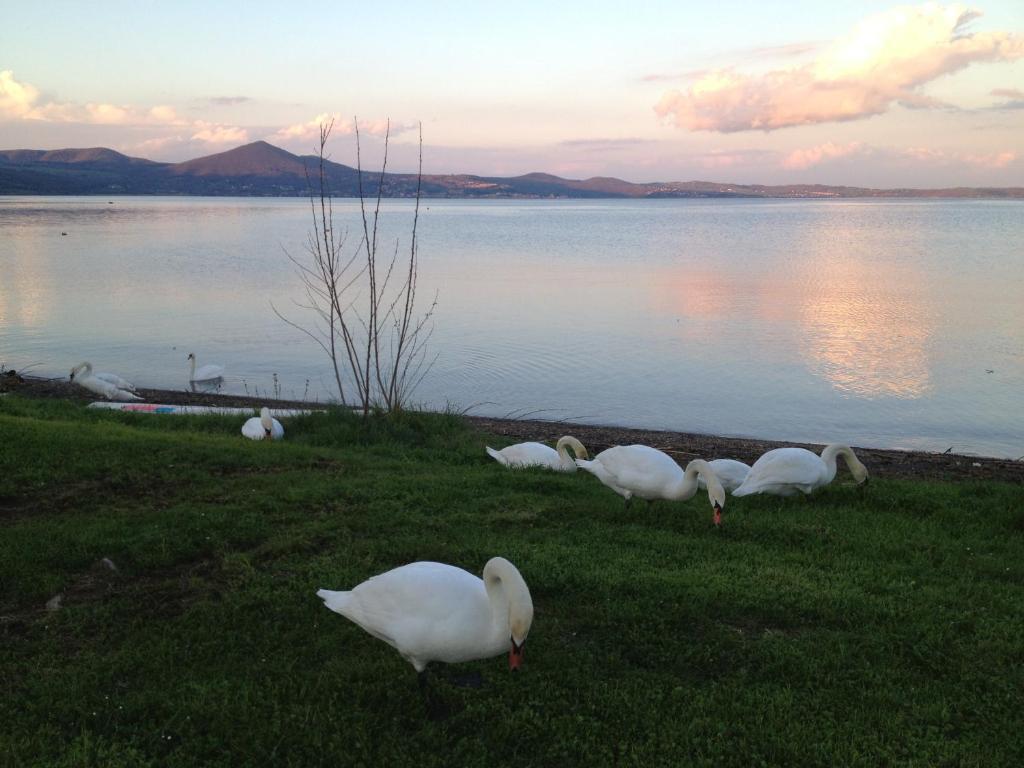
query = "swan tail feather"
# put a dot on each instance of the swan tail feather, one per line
(336, 601)
(497, 456)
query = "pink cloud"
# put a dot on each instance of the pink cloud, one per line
(805, 158)
(220, 134)
(999, 159)
(343, 126)
(884, 60)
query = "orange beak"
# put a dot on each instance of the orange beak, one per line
(717, 518)
(515, 656)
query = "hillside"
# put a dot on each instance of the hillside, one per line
(261, 169)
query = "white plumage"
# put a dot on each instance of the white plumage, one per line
(109, 385)
(645, 472)
(263, 427)
(206, 373)
(523, 455)
(730, 473)
(788, 471)
(436, 612)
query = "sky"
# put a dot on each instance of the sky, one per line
(864, 93)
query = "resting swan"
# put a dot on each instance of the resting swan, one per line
(539, 455)
(788, 471)
(102, 383)
(206, 373)
(639, 470)
(263, 427)
(436, 612)
(730, 473)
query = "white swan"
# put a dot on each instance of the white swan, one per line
(83, 376)
(788, 471)
(730, 473)
(540, 455)
(639, 470)
(436, 612)
(206, 373)
(263, 427)
(110, 378)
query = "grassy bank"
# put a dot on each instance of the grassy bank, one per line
(861, 627)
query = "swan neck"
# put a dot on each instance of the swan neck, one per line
(829, 457)
(562, 446)
(509, 597)
(687, 486)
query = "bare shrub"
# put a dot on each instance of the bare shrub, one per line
(363, 307)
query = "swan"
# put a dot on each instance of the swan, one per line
(540, 455)
(787, 471)
(730, 473)
(263, 427)
(206, 373)
(436, 612)
(639, 470)
(110, 378)
(83, 376)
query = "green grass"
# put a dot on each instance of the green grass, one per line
(877, 626)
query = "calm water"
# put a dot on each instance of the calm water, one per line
(896, 323)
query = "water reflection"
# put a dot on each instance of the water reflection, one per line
(866, 322)
(860, 326)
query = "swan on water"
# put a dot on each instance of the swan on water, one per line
(263, 427)
(539, 455)
(788, 471)
(645, 472)
(730, 473)
(436, 612)
(206, 373)
(102, 383)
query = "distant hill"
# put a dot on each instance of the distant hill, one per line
(261, 169)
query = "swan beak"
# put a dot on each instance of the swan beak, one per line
(718, 514)
(515, 656)
(267, 432)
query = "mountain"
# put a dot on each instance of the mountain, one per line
(261, 169)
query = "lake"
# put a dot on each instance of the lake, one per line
(885, 323)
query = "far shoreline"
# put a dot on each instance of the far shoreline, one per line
(683, 446)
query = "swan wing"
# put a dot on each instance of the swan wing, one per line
(730, 474)
(527, 455)
(253, 429)
(209, 372)
(641, 469)
(427, 611)
(117, 381)
(277, 430)
(784, 471)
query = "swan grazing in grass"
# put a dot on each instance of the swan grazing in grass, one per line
(539, 455)
(730, 473)
(263, 427)
(436, 612)
(788, 471)
(102, 384)
(206, 373)
(639, 470)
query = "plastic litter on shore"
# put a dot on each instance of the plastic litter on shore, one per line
(196, 410)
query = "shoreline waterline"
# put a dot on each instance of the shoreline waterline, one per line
(683, 446)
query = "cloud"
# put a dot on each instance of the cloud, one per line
(22, 101)
(979, 160)
(343, 126)
(16, 99)
(1007, 93)
(884, 60)
(228, 101)
(219, 134)
(805, 158)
